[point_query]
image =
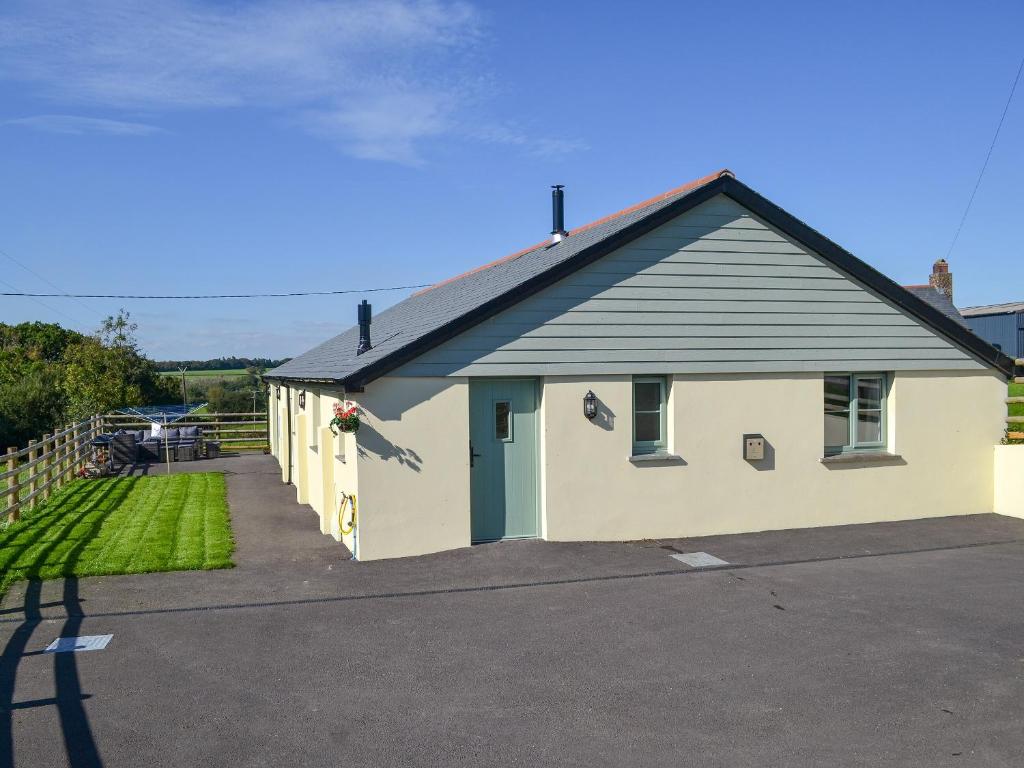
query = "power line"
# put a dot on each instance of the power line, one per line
(211, 296)
(37, 301)
(48, 282)
(984, 166)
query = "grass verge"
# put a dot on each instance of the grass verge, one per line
(1015, 409)
(122, 525)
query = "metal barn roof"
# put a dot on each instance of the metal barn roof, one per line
(993, 309)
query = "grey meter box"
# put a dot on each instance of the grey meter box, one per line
(753, 447)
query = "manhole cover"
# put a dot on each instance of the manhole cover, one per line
(83, 643)
(699, 559)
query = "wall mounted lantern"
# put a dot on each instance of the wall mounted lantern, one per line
(302, 399)
(590, 404)
(277, 391)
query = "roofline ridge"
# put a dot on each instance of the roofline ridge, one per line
(687, 187)
(859, 271)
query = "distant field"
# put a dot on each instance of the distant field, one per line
(206, 374)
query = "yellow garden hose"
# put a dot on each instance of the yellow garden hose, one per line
(347, 499)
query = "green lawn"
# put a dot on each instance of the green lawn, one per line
(1016, 409)
(122, 525)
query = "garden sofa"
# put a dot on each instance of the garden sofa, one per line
(155, 447)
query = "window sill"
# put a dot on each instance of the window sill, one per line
(664, 458)
(863, 457)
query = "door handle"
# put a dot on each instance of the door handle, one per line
(472, 455)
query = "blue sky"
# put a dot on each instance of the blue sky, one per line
(188, 147)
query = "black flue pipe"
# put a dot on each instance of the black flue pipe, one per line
(557, 210)
(364, 315)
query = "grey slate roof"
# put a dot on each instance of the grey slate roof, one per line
(421, 313)
(937, 299)
(431, 316)
(994, 309)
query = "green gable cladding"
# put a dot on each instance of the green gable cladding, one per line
(715, 290)
(428, 319)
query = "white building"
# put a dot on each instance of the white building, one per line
(746, 374)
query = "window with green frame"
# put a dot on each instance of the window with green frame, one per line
(854, 412)
(650, 396)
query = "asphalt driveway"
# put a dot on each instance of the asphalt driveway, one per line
(890, 644)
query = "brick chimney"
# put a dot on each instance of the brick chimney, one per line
(941, 278)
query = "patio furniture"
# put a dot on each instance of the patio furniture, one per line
(160, 443)
(149, 450)
(169, 440)
(123, 449)
(213, 449)
(194, 434)
(185, 451)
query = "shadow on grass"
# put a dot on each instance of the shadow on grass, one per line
(79, 744)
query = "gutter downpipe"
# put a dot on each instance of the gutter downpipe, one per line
(288, 389)
(355, 528)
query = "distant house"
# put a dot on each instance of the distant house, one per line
(1001, 325)
(700, 363)
(939, 291)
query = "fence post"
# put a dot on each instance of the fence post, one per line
(13, 511)
(58, 450)
(33, 454)
(47, 466)
(61, 442)
(68, 443)
(76, 453)
(55, 460)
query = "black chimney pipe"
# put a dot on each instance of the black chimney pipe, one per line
(364, 315)
(557, 213)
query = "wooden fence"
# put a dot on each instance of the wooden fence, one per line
(32, 474)
(238, 430)
(1015, 428)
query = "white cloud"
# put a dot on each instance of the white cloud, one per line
(376, 76)
(538, 146)
(78, 125)
(403, 117)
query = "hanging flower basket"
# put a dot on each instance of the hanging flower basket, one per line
(345, 418)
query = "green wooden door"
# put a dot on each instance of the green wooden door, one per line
(503, 446)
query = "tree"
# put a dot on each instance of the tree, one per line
(31, 400)
(224, 399)
(107, 371)
(31, 369)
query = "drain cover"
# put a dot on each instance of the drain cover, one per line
(83, 643)
(699, 559)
